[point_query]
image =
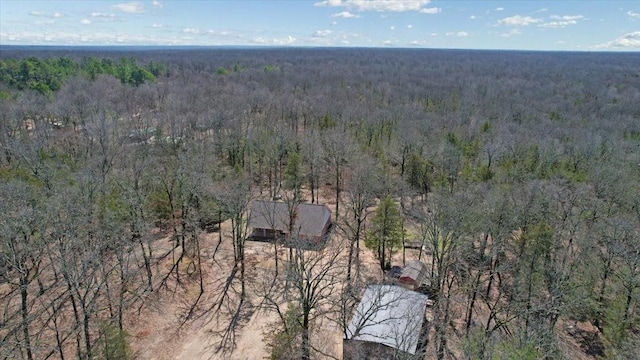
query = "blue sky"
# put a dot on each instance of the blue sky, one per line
(511, 24)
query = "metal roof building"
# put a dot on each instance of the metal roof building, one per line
(389, 315)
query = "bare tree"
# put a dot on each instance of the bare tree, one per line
(361, 190)
(21, 254)
(230, 303)
(313, 155)
(310, 285)
(447, 233)
(337, 145)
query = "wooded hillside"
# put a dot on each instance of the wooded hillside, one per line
(518, 172)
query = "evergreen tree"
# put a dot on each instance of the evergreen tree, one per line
(385, 234)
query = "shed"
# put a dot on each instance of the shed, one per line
(387, 315)
(414, 275)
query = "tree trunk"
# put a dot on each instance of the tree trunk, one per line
(529, 294)
(87, 336)
(59, 340)
(147, 264)
(337, 191)
(349, 261)
(306, 344)
(76, 314)
(24, 310)
(275, 255)
(627, 304)
(492, 273)
(476, 282)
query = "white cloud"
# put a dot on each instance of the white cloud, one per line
(157, 4)
(392, 27)
(55, 15)
(418, 43)
(472, 17)
(387, 43)
(567, 17)
(627, 41)
(499, 9)
(457, 33)
(557, 24)
(191, 31)
(101, 15)
(345, 15)
(633, 15)
(276, 41)
(434, 10)
(518, 20)
(157, 26)
(322, 33)
(334, 23)
(329, 3)
(512, 32)
(285, 41)
(130, 7)
(85, 21)
(409, 26)
(44, 22)
(87, 38)
(381, 5)
(562, 21)
(224, 35)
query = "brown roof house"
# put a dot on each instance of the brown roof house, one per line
(271, 220)
(414, 275)
(388, 323)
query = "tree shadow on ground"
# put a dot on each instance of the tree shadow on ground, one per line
(589, 341)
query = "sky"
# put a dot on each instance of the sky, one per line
(586, 25)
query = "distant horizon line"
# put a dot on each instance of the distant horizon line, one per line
(280, 47)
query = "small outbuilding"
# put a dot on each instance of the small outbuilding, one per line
(414, 275)
(387, 322)
(274, 220)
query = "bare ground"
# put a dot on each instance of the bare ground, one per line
(159, 332)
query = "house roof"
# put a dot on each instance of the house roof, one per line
(389, 315)
(309, 219)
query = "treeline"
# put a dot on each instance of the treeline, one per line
(516, 172)
(48, 75)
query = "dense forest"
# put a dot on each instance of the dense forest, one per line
(518, 173)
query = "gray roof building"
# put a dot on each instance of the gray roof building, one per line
(389, 315)
(271, 218)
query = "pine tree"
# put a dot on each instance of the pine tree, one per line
(385, 234)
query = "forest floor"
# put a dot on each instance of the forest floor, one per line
(157, 333)
(158, 330)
